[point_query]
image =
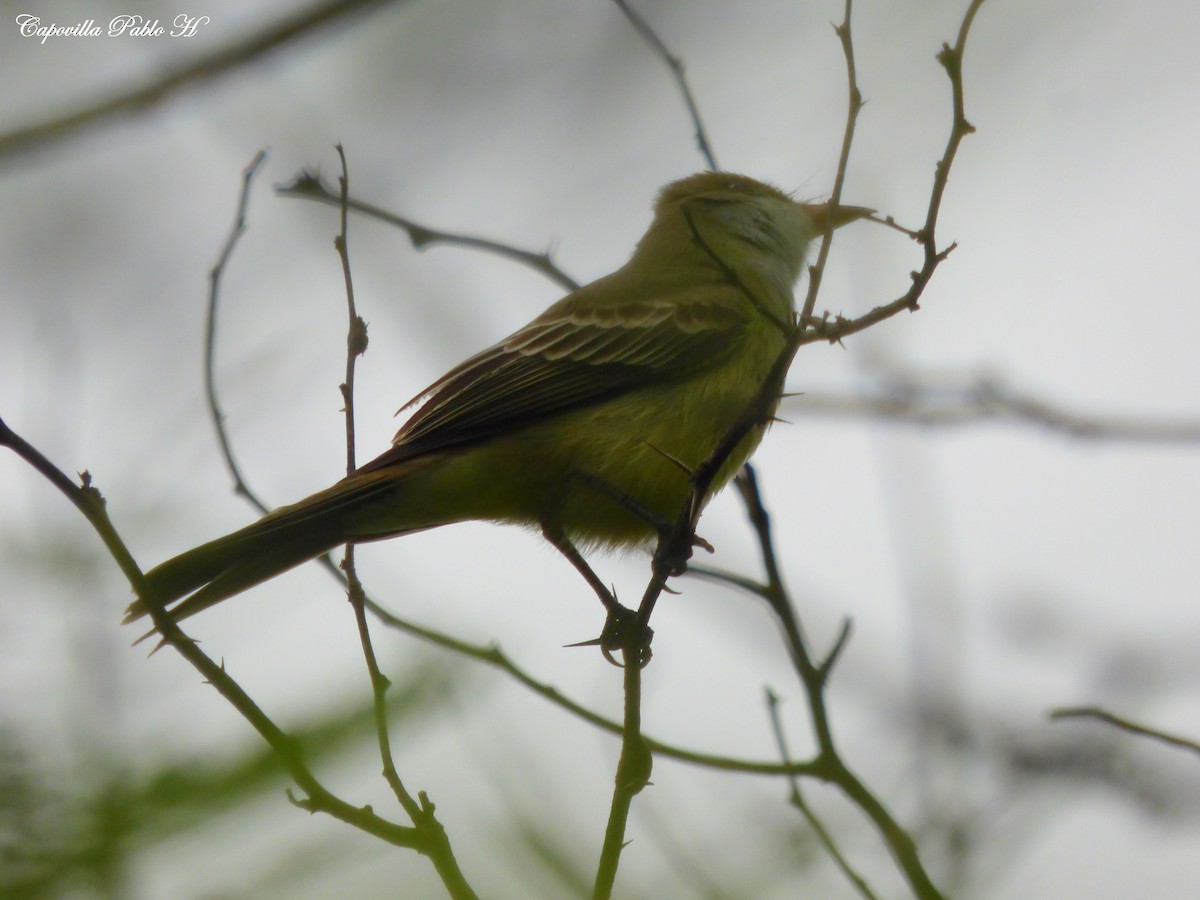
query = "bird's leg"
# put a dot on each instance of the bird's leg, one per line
(563, 545)
(671, 553)
(620, 625)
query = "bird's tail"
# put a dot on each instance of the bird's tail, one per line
(290, 535)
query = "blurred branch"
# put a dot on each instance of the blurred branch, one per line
(308, 186)
(1101, 715)
(68, 837)
(925, 399)
(675, 64)
(798, 800)
(223, 61)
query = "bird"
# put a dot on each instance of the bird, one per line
(583, 424)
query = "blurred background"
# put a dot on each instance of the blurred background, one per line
(1000, 491)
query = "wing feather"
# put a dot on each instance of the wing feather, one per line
(570, 356)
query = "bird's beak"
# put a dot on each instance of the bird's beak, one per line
(842, 215)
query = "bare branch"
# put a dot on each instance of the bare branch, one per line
(420, 811)
(853, 107)
(814, 676)
(215, 275)
(308, 186)
(840, 327)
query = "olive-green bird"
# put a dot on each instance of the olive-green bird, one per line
(576, 420)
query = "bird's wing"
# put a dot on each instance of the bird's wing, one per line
(573, 355)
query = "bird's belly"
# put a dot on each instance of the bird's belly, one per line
(626, 464)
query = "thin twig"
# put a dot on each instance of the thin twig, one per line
(308, 186)
(356, 345)
(420, 811)
(854, 107)
(677, 544)
(840, 327)
(675, 64)
(356, 332)
(215, 275)
(223, 61)
(1101, 715)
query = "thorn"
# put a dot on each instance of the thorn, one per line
(594, 642)
(680, 464)
(605, 649)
